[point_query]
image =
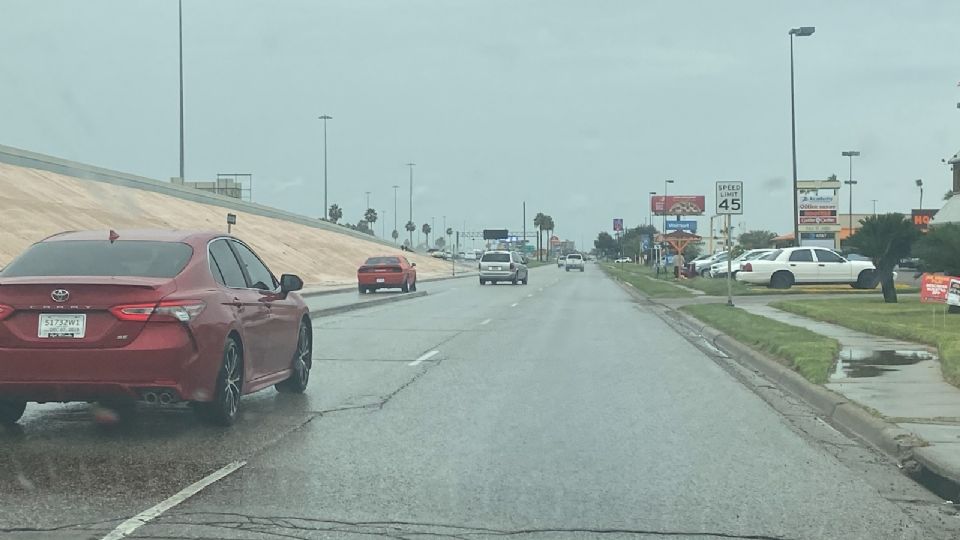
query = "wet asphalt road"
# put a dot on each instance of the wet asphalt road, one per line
(562, 409)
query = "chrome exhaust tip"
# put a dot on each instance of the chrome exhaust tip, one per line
(150, 397)
(165, 398)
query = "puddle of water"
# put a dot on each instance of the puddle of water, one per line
(861, 363)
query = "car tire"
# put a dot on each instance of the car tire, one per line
(413, 286)
(11, 410)
(704, 273)
(514, 280)
(302, 362)
(483, 281)
(866, 280)
(361, 289)
(405, 287)
(225, 407)
(581, 269)
(567, 269)
(526, 278)
(781, 280)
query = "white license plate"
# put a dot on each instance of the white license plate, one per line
(494, 267)
(381, 280)
(62, 325)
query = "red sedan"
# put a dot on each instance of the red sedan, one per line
(387, 272)
(154, 316)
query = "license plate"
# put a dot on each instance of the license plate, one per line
(57, 325)
(380, 280)
(494, 267)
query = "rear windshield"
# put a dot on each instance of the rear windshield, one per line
(772, 256)
(574, 257)
(495, 257)
(382, 260)
(133, 258)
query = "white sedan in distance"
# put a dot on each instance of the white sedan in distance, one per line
(720, 269)
(783, 268)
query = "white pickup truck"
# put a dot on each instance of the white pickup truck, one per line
(574, 261)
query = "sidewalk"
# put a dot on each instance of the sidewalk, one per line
(898, 382)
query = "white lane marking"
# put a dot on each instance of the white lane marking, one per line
(427, 356)
(485, 321)
(515, 304)
(129, 526)
(530, 295)
(540, 289)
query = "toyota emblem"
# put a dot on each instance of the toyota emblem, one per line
(60, 295)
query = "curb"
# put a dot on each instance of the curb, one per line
(354, 287)
(326, 312)
(910, 451)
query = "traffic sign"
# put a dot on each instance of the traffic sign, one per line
(730, 197)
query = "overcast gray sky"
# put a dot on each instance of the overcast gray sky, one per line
(578, 107)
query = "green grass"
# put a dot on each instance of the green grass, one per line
(908, 320)
(533, 263)
(808, 353)
(640, 277)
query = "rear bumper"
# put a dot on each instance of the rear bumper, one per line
(491, 274)
(389, 280)
(93, 374)
(752, 277)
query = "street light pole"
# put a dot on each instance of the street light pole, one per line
(368, 200)
(326, 206)
(180, 19)
(850, 154)
(920, 185)
(411, 165)
(803, 31)
(395, 187)
(874, 208)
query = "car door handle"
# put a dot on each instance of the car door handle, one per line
(792, 264)
(236, 303)
(821, 264)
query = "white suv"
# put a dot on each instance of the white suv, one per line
(574, 261)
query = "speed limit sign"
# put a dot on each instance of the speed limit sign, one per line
(730, 197)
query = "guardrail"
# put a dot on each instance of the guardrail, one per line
(83, 171)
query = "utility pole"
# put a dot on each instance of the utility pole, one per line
(395, 187)
(850, 182)
(368, 200)
(326, 206)
(180, 19)
(803, 31)
(411, 165)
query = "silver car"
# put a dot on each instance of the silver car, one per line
(502, 266)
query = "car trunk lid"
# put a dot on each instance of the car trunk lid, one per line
(74, 312)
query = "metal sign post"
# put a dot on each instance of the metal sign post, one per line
(729, 202)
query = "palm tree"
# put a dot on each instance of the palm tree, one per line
(426, 231)
(395, 234)
(549, 225)
(538, 223)
(886, 239)
(370, 216)
(335, 213)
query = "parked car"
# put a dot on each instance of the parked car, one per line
(623, 260)
(560, 260)
(574, 262)
(784, 268)
(155, 316)
(503, 266)
(387, 272)
(701, 267)
(719, 269)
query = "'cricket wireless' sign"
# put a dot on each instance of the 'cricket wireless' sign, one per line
(730, 197)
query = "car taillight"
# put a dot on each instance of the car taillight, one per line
(747, 267)
(176, 310)
(5, 311)
(513, 266)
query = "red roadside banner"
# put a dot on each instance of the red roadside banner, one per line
(933, 288)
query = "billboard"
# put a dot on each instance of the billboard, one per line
(495, 234)
(921, 218)
(685, 225)
(678, 205)
(934, 288)
(817, 209)
(618, 224)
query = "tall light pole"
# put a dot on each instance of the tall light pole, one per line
(803, 31)
(920, 185)
(180, 19)
(368, 200)
(665, 183)
(650, 211)
(383, 223)
(395, 187)
(325, 202)
(850, 154)
(874, 208)
(411, 165)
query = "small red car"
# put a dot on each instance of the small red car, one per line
(387, 272)
(154, 316)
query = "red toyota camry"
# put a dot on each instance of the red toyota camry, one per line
(154, 316)
(387, 272)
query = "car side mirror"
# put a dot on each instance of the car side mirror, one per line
(413, 264)
(290, 283)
